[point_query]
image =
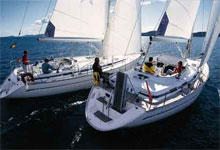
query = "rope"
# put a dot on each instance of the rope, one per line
(132, 85)
(179, 49)
(22, 23)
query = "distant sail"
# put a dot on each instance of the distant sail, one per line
(50, 30)
(163, 25)
(212, 31)
(78, 18)
(123, 35)
(178, 19)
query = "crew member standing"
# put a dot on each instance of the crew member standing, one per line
(25, 61)
(97, 70)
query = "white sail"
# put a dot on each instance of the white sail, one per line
(123, 35)
(212, 31)
(178, 19)
(78, 19)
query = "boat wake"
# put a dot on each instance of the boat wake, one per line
(46, 115)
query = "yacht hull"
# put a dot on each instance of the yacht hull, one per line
(59, 85)
(52, 88)
(164, 112)
(137, 114)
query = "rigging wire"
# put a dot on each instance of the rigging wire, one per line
(162, 14)
(22, 23)
(138, 17)
(45, 15)
(205, 32)
(14, 43)
(203, 15)
(45, 18)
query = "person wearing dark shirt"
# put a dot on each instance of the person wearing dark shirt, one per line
(46, 67)
(97, 70)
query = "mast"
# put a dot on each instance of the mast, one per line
(188, 47)
(212, 33)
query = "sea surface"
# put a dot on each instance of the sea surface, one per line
(58, 122)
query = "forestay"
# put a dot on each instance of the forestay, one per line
(123, 35)
(178, 19)
(212, 31)
(78, 19)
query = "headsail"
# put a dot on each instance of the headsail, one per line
(212, 31)
(178, 19)
(123, 35)
(78, 19)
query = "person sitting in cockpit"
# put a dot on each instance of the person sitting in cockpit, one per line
(46, 67)
(178, 69)
(148, 66)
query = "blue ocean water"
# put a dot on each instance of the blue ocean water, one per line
(59, 121)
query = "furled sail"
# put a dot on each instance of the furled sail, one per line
(178, 19)
(78, 19)
(212, 31)
(123, 35)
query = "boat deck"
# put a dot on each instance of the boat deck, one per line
(160, 87)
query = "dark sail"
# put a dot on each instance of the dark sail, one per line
(163, 25)
(50, 30)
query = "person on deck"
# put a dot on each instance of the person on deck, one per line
(97, 71)
(148, 66)
(25, 61)
(179, 68)
(46, 67)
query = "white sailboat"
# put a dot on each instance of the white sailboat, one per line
(76, 21)
(137, 98)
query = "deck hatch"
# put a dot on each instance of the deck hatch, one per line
(102, 100)
(102, 116)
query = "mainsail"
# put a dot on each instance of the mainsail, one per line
(178, 19)
(212, 33)
(123, 35)
(78, 19)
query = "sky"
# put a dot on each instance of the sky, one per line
(38, 12)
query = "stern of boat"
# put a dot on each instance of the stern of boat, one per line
(10, 85)
(101, 114)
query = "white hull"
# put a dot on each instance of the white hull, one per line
(102, 115)
(60, 85)
(52, 88)
(167, 111)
